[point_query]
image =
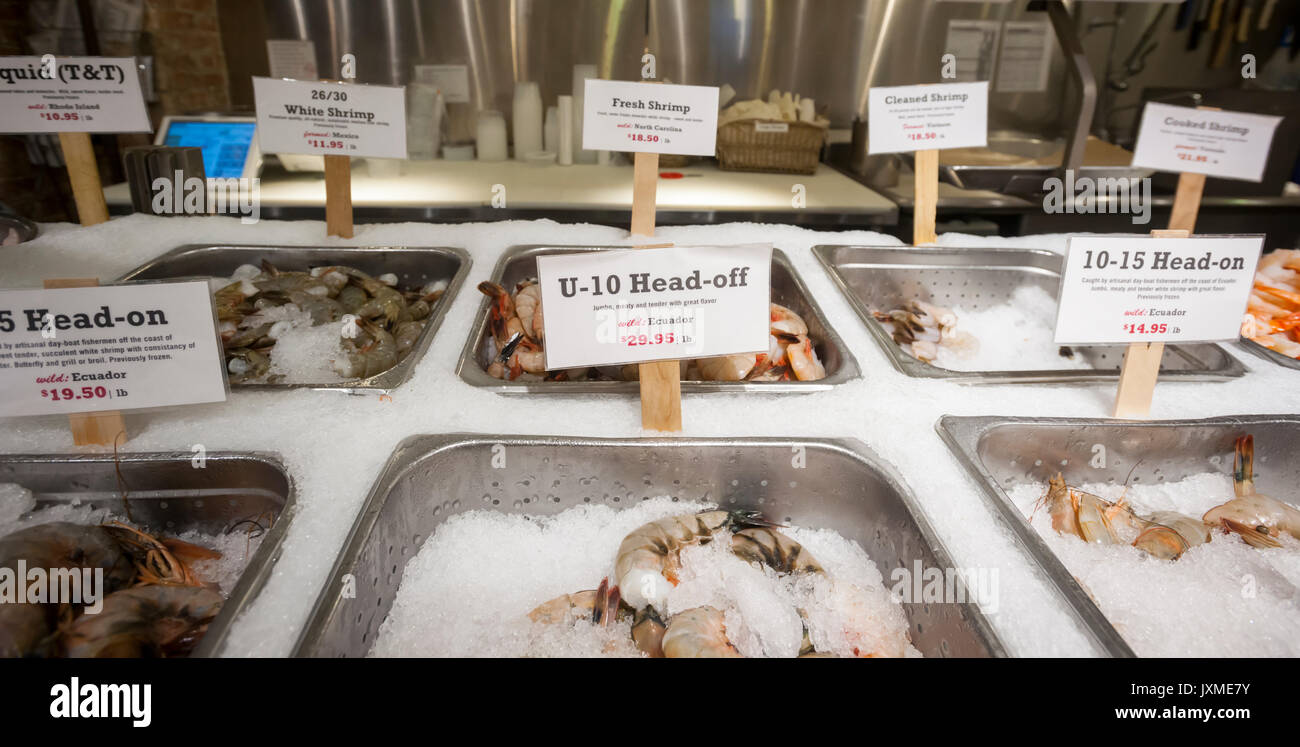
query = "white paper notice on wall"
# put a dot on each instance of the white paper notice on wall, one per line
(451, 80)
(292, 58)
(650, 118)
(1026, 59)
(110, 347)
(71, 94)
(330, 119)
(636, 305)
(974, 44)
(1231, 145)
(1125, 289)
(929, 117)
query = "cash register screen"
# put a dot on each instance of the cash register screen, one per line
(225, 144)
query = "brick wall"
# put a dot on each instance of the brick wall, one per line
(188, 58)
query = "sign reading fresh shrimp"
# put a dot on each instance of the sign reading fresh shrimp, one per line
(630, 306)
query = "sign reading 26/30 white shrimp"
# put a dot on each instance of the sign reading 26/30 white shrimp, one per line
(637, 305)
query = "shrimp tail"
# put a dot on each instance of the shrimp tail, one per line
(745, 518)
(1243, 468)
(1253, 537)
(605, 608)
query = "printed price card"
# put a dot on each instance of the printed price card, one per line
(637, 305)
(110, 347)
(933, 117)
(1232, 145)
(650, 118)
(71, 94)
(1124, 289)
(330, 119)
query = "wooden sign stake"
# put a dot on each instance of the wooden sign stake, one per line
(1187, 200)
(661, 384)
(925, 201)
(83, 172)
(102, 428)
(338, 196)
(1137, 377)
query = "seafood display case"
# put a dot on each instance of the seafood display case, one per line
(1269, 355)
(427, 478)
(413, 266)
(877, 279)
(520, 264)
(167, 495)
(1002, 453)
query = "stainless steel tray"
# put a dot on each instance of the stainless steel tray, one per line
(429, 478)
(413, 265)
(167, 494)
(520, 263)
(1269, 354)
(887, 277)
(1006, 451)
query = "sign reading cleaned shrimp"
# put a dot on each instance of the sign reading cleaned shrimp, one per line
(1126, 289)
(636, 305)
(112, 347)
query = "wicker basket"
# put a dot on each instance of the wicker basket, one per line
(770, 145)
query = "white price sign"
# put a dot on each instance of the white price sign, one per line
(930, 117)
(637, 305)
(71, 94)
(1232, 145)
(330, 119)
(1124, 289)
(112, 347)
(650, 118)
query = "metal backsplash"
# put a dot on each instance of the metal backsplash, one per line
(831, 50)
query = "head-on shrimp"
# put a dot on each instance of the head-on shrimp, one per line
(699, 633)
(152, 621)
(647, 559)
(1258, 518)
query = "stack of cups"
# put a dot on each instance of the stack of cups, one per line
(580, 75)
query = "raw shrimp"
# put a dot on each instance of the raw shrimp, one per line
(504, 321)
(163, 562)
(648, 558)
(1258, 518)
(773, 549)
(1169, 534)
(803, 360)
(528, 305)
(406, 334)
(375, 357)
(246, 364)
(726, 367)
(699, 633)
(785, 321)
(25, 627)
(600, 605)
(153, 621)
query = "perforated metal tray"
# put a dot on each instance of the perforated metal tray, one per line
(1001, 452)
(430, 478)
(883, 278)
(168, 495)
(414, 266)
(520, 263)
(1269, 354)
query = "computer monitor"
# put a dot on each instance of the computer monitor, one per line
(229, 143)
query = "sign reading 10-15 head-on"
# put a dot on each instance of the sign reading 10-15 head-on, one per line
(650, 118)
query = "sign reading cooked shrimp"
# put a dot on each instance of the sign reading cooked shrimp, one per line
(636, 305)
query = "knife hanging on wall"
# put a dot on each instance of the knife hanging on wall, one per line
(1202, 23)
(1186, 15)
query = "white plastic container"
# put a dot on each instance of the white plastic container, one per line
(527, 114)
(565, 123)
(491, 136)
(580, 75)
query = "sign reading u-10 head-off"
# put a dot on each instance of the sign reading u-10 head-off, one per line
(638, 305)
(650, 118)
